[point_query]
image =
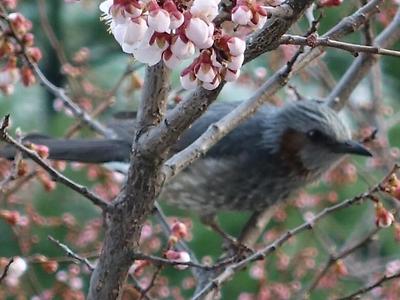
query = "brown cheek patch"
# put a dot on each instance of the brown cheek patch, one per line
(290, 145)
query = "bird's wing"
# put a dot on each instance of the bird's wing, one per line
(248, 133)
(245, 138)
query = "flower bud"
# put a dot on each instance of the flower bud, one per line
(12, 217)
(340, 268)
(329, 3)
(178, 256)
(241, 15)
(383, 217)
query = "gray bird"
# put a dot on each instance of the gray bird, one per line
(261, 162)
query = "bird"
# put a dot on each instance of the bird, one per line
(268, 157)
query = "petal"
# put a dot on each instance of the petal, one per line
(159, 21)
(188, 82)
(197, 31)
(236, 62)
(105, 6)
(236, 46)
(148, 55)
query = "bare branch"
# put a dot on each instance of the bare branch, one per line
(366, 289)
(71, 253)
(58, 92)
(334, 258)
(361, 66)
(6, 268)
(354, 49)
(53, 172)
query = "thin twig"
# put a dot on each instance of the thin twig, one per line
(72, 254)
(334, 258)
(58, 92)
(6, 268)
(354, 49)
(366, 289)
(57, 176)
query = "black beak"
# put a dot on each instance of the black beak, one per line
(352, 147)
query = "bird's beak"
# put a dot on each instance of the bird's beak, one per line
(352, 147)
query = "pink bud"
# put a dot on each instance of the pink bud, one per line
(179, 229)
(178, 256)
(241, 15)
(330, 3)
(383, 217)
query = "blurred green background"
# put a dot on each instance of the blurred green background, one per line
(78, 25)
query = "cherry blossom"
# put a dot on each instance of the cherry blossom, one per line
(153, 31)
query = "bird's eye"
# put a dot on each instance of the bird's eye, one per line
(315, 135)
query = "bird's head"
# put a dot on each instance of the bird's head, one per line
(313, 137)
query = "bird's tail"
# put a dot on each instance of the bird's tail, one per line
(79, 150)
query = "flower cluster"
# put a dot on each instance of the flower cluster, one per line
(17, 38)
(173, 31)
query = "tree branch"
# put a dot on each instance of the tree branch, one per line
(361, 66)
(71, 253)
(56, 176)
(354, 49)
(6, 268)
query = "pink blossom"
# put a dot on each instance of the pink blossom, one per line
(171, 61)
(197, 31)
(17, 268)
(182, 49)
(205, 9)
(236, 62)
(129, 34)
(158, 18)
(383, 217)
(149, 53)
(241, 15)
(178, 256)
(231, 75)
(176, 17)
(205, 72)
(212, 85)
(188, 81)
(236, 46)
